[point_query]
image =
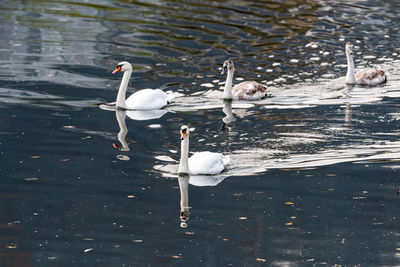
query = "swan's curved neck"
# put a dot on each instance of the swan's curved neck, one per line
(184, 162)
(122, 89)
(228, 84)
(350, 79)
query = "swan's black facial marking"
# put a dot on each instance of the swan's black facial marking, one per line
(117, 69)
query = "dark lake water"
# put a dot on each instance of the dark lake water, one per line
(314, 167)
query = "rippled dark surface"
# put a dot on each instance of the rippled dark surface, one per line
(314, 168)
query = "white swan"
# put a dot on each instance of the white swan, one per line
(138, 115)
(145, 99)
(201, 162)
(249, 90)
(367, 76)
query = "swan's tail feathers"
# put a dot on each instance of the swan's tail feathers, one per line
(171, 96)
(225, 159)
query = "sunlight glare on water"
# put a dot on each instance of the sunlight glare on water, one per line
(314, 166)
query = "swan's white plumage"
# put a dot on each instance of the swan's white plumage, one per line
(207, 162)
(146, 99)
(249, 90)
(367, 76)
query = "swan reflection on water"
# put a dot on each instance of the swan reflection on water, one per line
(347, 111)
(123, 130)
(197, 180)
(229, 117)
(137, 115)
(183, 181)
(121, 115)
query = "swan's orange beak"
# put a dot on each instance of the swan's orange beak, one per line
(183, 135)
(117, 69)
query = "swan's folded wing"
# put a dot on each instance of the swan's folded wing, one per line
(249, 90)
(370, 76)
(206, 163)
(147, 99)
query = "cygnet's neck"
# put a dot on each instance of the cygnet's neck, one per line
(184, 162)
(350, 69)
(228, 84)
(122, 89)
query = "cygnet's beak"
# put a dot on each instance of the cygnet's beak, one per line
(224, 70)
(117, 69)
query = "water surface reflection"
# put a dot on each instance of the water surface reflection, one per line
(313, 169)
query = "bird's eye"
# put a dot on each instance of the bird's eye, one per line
(183, 131)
